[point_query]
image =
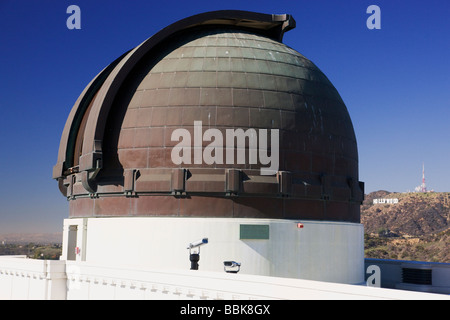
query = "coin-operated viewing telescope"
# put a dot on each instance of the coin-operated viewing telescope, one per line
(194, 252)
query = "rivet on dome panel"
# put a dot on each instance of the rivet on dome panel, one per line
(140, 139)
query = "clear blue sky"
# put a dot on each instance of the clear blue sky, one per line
(395, 82)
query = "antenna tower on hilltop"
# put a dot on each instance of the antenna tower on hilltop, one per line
(423, 186)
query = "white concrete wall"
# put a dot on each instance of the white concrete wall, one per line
(29, 279)
(325, 251)
(99, 282)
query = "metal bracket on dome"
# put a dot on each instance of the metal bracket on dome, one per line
(178, 181)
(284, 183)
(233, 181)
(88, 177)
(288, 23)
(129, 181)
(66, 186)
(62, 186)
(326, 187)
(90, 166)
(88, 183)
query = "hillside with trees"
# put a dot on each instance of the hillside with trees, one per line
(415, 228)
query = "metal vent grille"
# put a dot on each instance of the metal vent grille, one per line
(416, 276)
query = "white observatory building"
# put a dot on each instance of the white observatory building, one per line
(212, 161)
(212, 75)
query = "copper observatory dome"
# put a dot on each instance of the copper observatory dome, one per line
(225, 70)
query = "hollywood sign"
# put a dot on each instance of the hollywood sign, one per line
(388, 201)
